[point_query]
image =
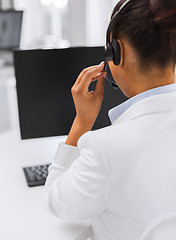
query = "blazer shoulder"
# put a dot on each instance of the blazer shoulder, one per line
(93, 138)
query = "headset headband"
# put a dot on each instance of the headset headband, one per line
(108, 33)
(112, 49)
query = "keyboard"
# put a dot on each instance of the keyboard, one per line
(36, 175)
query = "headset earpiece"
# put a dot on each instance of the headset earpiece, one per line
(109, 52)
(116, 52)
(112, 52)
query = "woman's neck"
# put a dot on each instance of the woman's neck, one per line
(155, 78)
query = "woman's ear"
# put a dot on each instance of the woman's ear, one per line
(121, 53)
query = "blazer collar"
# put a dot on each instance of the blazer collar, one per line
(150, 105)
(115, 112)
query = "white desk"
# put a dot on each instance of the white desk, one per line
(23, 215)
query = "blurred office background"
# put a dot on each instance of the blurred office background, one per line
(62, 23)
(48, 24)
(51, 24)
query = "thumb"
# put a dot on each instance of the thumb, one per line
(100, 84)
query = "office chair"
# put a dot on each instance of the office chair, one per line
(161, 228)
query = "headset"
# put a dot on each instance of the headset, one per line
(112, 49)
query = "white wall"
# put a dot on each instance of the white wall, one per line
(76, 23)
(5, 4)
(85, 24)
(41, 24)
(4, 109)
(88, 21)
(34, 23)
(97, 18)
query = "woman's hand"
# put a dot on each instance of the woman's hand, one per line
(87, 103)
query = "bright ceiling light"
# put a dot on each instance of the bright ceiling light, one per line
(60, 3)
(45, 2)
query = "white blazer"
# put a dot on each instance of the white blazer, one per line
(122, 177)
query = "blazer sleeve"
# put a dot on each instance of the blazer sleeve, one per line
(77, 184)
(161, 228)
(166, 232)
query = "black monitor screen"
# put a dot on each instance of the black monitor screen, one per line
(44, 81)
(10, 29)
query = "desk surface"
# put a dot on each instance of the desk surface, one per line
(22, 211)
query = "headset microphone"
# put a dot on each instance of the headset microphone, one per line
(112, 48)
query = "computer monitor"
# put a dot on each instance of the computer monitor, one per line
(10, 29)
(44, 80)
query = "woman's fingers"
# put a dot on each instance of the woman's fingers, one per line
(96, 78)
(90, 75)
(99, 91)
(87, 103)
(83, 73)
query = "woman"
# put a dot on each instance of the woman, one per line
(123, 177)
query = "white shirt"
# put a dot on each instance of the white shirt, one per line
(122, 177)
